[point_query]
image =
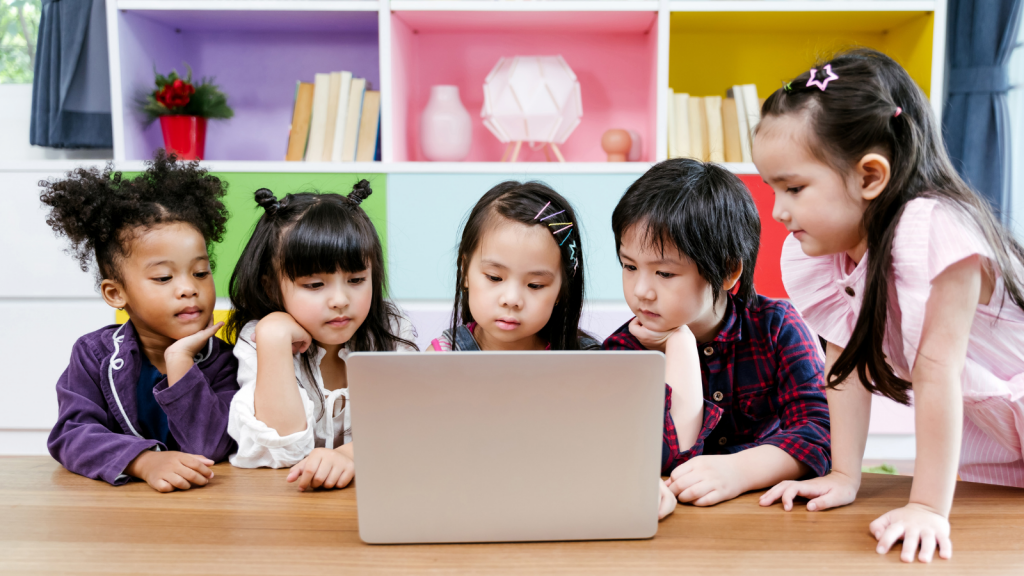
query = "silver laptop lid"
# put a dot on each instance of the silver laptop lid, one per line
(507, 446)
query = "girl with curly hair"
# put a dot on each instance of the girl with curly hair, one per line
(148, 399)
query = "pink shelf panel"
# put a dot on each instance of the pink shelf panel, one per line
(614, 55)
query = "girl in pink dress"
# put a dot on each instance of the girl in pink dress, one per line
(904, 271)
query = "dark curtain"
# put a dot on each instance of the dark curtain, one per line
(975, 121)
(71, 87)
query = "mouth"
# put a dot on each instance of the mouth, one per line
(507, 323)
(339, 322)
(189, 314)
(649, 314)
(798, 233)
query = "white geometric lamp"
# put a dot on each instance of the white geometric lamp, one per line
(534, 99)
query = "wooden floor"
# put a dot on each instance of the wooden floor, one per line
(252, 522)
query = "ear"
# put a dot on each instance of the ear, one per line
(873, 173)
(113, 293)
(732, 279)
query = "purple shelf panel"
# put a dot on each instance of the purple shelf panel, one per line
(256, 58)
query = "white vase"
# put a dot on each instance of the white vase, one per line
(446, 130)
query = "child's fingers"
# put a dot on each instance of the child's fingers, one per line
(891, 535)
(928, 541)
(911, 539)
(796, 489)
(667, 505)
(177, 481)
(347, 474)
(878, 526)
(199, 465)
(710, 499)
(773, 494)
(321, 474)
(825, 500)
(695, 491)
(332, 479)
(293, 474)
(945, 546)
(161, 485)
(307, 475)
(194, 477)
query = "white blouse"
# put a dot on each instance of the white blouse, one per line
(328, 426)
(931, 236)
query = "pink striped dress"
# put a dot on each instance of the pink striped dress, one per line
(931, 235)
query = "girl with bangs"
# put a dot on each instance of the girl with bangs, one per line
(307, 290)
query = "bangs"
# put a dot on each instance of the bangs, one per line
(328, 239)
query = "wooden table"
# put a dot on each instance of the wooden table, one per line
(252, 522)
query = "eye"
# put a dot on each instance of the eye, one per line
(665, 274)
(629, 267)
(202, 275)
(493, 278)
(162, 279)
(794, 189)
(313, 285)
(535, 286)
(357, 280)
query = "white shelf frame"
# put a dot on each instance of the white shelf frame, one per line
(385, 8)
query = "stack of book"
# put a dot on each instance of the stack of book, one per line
(335, 119)
(712, 128)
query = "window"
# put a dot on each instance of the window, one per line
(19, 27)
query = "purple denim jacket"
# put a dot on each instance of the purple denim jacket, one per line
(96, 434)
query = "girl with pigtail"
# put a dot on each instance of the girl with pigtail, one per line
(916, 287)
(308, 289)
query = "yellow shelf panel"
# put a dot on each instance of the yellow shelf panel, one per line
(711, 51)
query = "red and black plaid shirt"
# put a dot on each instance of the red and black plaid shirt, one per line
(763, 378)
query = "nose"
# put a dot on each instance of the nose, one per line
(780, 211)
(644, 289)
(338, 298)
(511, 297)
(188, 287)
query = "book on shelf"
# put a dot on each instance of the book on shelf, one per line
(713, 128)
(329, 122)
(355, 110)
(299, 130)
(369, 127)
(318, 121)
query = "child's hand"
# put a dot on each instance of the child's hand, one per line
(282, 325)
(178, 357)
(165, 471)
(323, 468)
(657, 340)
(835, 489)
(917, 525)
(667, 503)
(706, 480)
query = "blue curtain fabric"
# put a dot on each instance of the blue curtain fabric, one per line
(975, 121)
(71, 85)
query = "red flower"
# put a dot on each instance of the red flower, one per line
(176, 94)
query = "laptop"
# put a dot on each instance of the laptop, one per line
(507, 446)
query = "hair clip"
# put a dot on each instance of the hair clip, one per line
(788, 87)
(898, 112)
(542, 210)
(822, 83)
(562, 229)
(572, 257)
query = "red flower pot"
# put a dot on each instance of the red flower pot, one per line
(184, 135)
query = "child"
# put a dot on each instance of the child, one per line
(882, 224)
(519, 279)
(519, 274)
(307, 290)
(148, 399)
(745, 402)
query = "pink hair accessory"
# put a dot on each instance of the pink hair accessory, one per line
(542, 210)
(898, 112)
(823, 83)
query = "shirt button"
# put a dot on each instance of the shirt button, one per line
(849, 290)
(718, 396)
(722, 441)
(708, 351)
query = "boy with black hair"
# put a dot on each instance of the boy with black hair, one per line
(745, 402)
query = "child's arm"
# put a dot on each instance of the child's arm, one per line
(82, 440)
(938, 411)
(277, 402)
(197, 408)
(850, 412)
(259, 445)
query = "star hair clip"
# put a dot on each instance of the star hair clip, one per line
(823, 83)
(566, 227)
